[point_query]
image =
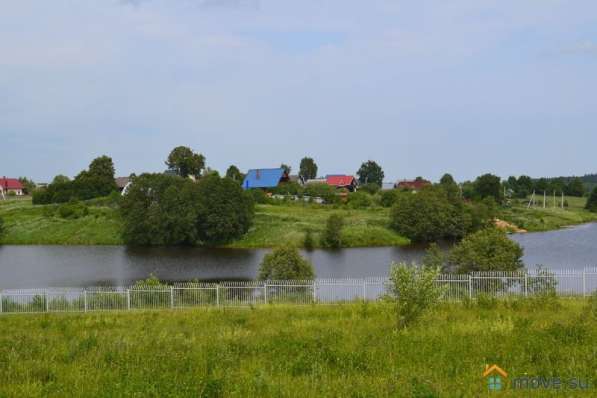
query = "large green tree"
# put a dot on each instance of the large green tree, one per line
(488, 185)
(370, 173)
(234, 174)
(489, 249)
(184, 162)
(308, 168)
(575, 187)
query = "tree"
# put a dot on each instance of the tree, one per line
(97, 181)
(575, 187)
(429, 216)
(488, 185)
(370, 172)
(332, 236)
(28, 185)
(234, 174)
(286, 168)
(489, 249)
(450, 186)
(285, 263)
(184, 162)
(414, 290)
(592, 202)
(225, 211)
(308, 168)
(541, 185)
(370, 188)
(60, 179)
(525, 186)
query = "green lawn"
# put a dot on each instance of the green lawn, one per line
(550, 218)
(348, 350)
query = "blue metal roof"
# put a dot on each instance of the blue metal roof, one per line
(263, 178)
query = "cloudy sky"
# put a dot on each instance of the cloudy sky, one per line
(423, 87)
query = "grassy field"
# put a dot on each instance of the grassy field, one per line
(550, 218)
(350, 350)
(28, 224)
(277, 225)
(274, 225)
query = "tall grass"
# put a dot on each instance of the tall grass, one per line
(313, 351)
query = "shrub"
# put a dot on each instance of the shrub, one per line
(258, 196)
(73, 210)
(414, 291)
(487, 250)
(309, 242)
(332, 236)
(324, 191)
(359, 200)
(592, 201)
(370, 188)
(285, 263)
(388, 198)
(434, 257)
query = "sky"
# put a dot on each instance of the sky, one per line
(422, 87)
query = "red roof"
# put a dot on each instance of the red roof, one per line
(10, 183)
(339, 180)
(414, 184)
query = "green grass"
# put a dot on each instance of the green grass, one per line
(539, 219)
(350, 350)
(35, 225)
(277, 225)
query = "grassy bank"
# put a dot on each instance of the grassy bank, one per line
(539, 219)
(274, 225)
(342, 351)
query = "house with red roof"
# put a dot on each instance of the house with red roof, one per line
(342, 181)
(412, 185)
(8, 185)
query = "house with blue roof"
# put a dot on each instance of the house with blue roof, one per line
(264, 178)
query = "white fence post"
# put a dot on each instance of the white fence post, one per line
(526, 284)
(171, 296)
(314, 291)
(0, 301)
(128, 299)
(265, 292)
(46, 300)
(584, 283)
(364, 289)
(85, 300)
(470, 286)
(218, 295)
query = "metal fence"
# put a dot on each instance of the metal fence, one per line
(325, 291)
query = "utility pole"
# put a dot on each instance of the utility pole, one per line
(544, 198)
(562, 199)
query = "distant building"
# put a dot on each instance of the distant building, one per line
(342, 181)
(412, 185)
(297, 179)
(264, 178)
(11, 186)
(123, 184)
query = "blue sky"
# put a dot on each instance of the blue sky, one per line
(422, 87)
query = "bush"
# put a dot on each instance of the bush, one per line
(414, 290)
(486, 250)
(332, 236)
(324, 191)
(388, 198)
(370, 188)
(309, 242)
(359, 200)
(592, 201)
(429, 216)
(73, 210)
(258, 196)
(285, 263)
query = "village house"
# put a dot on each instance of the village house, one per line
(10, 187)
(342, 181)
(412, 185)
(264, 178)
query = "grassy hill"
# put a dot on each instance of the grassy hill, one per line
(313, 351)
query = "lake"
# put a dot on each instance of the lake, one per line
(66, 266)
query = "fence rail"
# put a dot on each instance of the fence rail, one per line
(325, 291)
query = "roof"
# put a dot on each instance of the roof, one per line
(122, 181)
(494, 368)
(263, 178)
(339, 180)
(10, 183)
(413, 184)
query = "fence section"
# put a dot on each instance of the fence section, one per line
(326, 291)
